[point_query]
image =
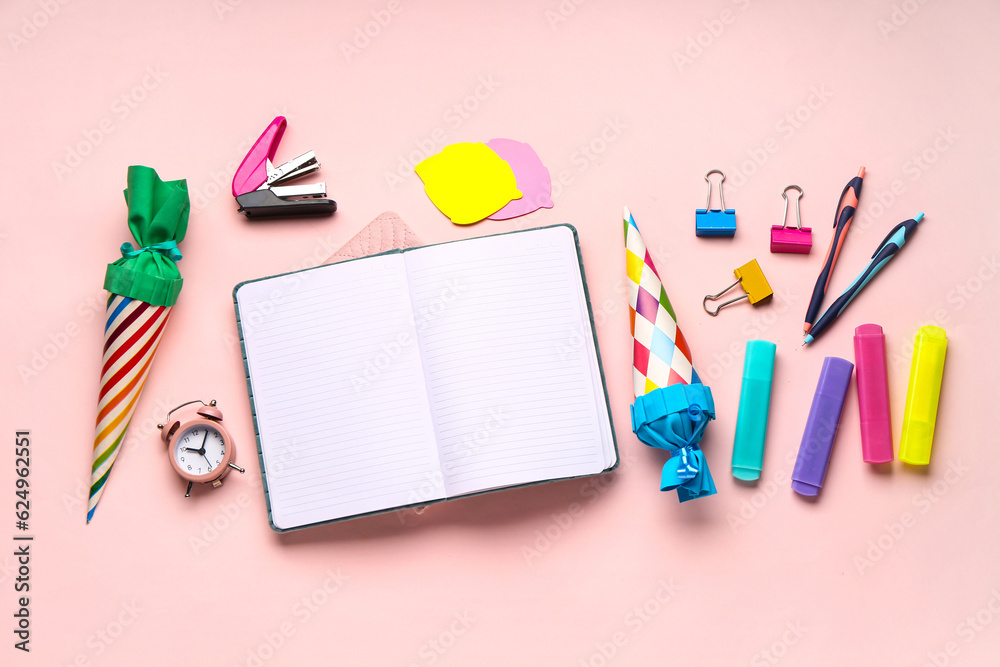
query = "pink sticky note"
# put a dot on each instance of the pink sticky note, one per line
(533, 178)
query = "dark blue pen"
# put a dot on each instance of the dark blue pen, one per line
(841, 222)
(899, 235)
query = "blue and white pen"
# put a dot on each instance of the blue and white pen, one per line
(899, 235)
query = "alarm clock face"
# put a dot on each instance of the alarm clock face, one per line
(200, 451)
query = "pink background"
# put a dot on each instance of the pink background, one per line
(890, 566)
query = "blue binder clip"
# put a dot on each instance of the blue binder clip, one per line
(710, 221)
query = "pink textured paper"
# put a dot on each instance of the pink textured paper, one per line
(629, 103)
(386, 232)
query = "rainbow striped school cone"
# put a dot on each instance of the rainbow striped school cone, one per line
(672, 407)
(143, 286)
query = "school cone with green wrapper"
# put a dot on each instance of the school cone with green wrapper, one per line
(143, 286)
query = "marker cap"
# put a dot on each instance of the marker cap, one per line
(873, 394)
(821, 427)
(922, 394)
(755, 401)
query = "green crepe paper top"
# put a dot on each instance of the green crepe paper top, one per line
(158, 217)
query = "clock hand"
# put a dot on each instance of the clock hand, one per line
(207, 460)
(202, 450)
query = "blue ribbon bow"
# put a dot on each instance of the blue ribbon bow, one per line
(674, 418)
(166, 248)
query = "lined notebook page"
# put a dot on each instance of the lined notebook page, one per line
(338, 387)
(509, 358)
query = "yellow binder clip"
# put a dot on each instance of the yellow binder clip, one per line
(751, 279)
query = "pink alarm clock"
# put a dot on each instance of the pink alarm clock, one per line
(200, 448)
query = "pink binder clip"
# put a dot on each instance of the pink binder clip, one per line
(791, 239)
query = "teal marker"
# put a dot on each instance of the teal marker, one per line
(755, 402)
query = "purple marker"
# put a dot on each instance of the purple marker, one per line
(821, 427)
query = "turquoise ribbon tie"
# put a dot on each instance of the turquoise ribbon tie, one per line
(674, 419)
(166, 248)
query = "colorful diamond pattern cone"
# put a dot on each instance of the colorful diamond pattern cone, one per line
(660, 356)
(672, 407)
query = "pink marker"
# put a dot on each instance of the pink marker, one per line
(873, 394)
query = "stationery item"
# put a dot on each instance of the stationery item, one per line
(873, 394)
(841, 223)
(755, 402)
(672, 407)
(533, 179)
(821, 427)
(142, 286)
(710, 221)
(886, 250)
(200, 448)
(922, 395)
(751, 279)
(468, 182)
(420, 375)
(386, 232)
(787, 239)
(259, 186)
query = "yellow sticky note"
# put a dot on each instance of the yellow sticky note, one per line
(468, 182)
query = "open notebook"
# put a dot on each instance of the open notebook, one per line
(419, 375)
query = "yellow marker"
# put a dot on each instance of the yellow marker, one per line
(468, 182)
(922, 396)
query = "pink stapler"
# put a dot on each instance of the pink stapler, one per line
(257, 183)
(791, 239)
